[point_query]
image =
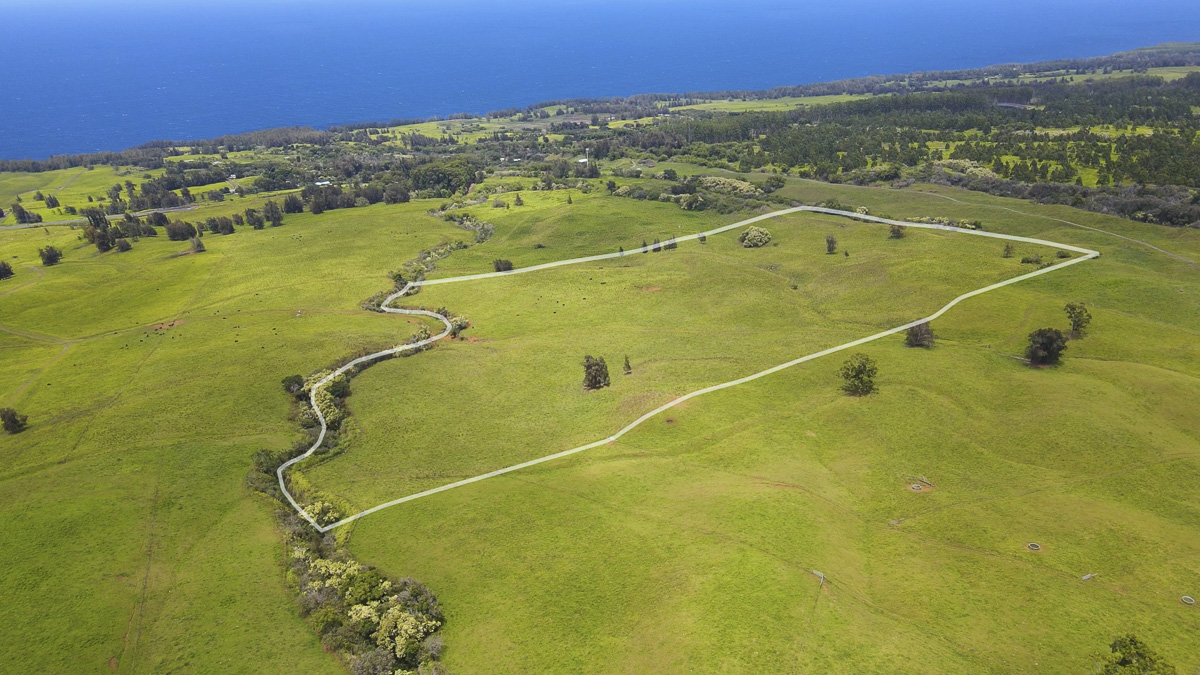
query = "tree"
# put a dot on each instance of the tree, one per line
(1009, 249)
(595, 373)
(197, 245)
(830, 244)
(859, 372)
(1079, 316)
(273, 213)
(755, 237)
(628, 368)
(6, 270)
(1046, 345)
(1131, 656)
(294, 385)
(502, 265)
(517, 201)
(896, 231)
(50, 255)
(657, 246)
(123, 245)
(569, 200)
(254, 219)
(14, 422)
(180, 230)
(611, 185)
(293, 204)
(52, 202)
(920, 335)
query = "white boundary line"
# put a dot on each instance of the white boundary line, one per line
(1088, 254)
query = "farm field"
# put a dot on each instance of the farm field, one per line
(690, 544)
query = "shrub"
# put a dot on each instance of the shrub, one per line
(197, 245)
(755, 237)
(517, 201)
(1035, 259)
(830, 244)
(50, 255)
(920, 335)
(1009, 249)
(896, 232)
(294, 385)
(628, 368)
(123, 245)
(13, 421)
(1079, 317)
(1062, 255)
(859, 373)
(1046, 345)
(6, 270)
(502, 265)
(595, 373)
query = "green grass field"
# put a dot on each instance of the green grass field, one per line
(690, 543)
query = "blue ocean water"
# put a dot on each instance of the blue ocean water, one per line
(81, 76)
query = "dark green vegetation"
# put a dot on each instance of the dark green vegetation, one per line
(143, 528)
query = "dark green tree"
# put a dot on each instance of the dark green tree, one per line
(501, 265)
(628, 368)
(830, 244)
(6, 270)
(123, 245)
(612, 186)
(294, 385)
(13, 421)
(50, 255)
(517, 201)
(293, 204)
(859, 373)
(1131, 656)
(273, 213)
(595, 373)
(1046, 345)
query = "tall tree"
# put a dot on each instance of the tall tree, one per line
(595, 373)
(1079, 316)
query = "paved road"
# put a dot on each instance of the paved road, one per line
(1087, 254)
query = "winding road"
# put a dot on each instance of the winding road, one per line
(1087, 254)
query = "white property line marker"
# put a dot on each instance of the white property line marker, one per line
(1088, 254)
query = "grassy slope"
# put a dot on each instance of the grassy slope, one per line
(686, 545)
(129, 532)
(659, 308)
(689, 544)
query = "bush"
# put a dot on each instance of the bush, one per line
(595, 373)
(1008, 250)
(1046, 345)
(50, 255)
(754, 237)
(1063, 255)
(13, 421)
(859, 372)
(920, 335)
(896, 232)
(197, 245)
(1035, 259)
(6, 270)
(830, 244)
(502, 265)
(123, 245)
(294, 385)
